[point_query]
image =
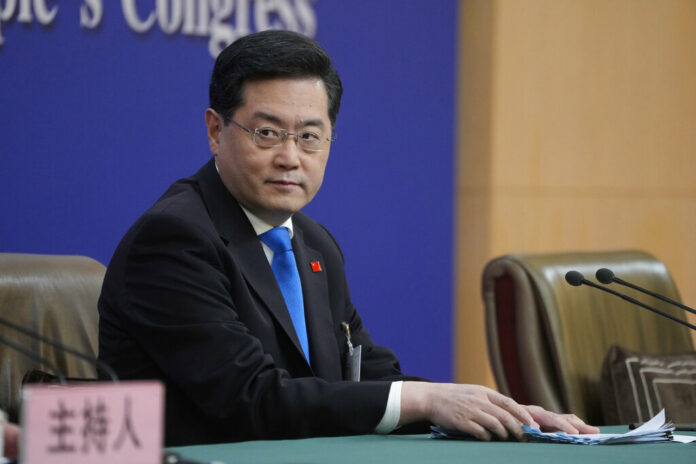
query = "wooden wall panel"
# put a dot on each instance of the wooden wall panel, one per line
(472, 188)
(584, 138)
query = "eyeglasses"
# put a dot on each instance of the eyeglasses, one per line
(269, 137)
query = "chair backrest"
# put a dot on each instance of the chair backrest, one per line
(547, 339)
(56, 296)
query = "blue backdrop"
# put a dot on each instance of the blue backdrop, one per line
(101, 108)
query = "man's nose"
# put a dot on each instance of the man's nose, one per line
(289, 152)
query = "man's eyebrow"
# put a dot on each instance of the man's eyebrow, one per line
(267, 117)
(313, 122)
(279, 122)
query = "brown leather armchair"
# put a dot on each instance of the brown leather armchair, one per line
(56, 296)
(547, 339)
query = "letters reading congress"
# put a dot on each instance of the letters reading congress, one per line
(222, 21)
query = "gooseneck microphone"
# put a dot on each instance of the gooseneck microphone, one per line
(35, 357)
(576, 279)
(606, 276)
(32, 334)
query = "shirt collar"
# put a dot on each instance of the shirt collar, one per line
(260, 226)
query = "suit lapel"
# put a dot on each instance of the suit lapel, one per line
(326, 361)
(245, 247)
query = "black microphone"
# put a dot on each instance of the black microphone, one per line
(35, 357)
(606, 276)
(30, 333)
(576, 279)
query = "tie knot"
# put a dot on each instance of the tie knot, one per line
(277, 239)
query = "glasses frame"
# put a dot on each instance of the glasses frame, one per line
(283, 137)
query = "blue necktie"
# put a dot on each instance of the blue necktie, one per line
(285, 270)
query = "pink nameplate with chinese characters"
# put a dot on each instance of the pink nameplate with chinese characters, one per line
(92, 422)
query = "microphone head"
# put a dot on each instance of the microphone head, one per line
(574, 278)
(605, 275)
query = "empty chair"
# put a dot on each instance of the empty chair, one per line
(55, 296)
(547, 339)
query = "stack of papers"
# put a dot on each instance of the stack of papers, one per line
(653, 431)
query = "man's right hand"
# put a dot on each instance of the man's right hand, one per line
(477, 410)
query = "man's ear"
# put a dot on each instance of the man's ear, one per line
(213, 122)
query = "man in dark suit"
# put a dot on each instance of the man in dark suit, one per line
(197, 294)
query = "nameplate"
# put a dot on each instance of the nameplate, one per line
(95, 422)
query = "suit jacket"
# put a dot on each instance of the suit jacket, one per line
(190, 299)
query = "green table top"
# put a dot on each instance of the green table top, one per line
(421, 449)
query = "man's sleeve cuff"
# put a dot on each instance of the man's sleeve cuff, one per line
(393, 411)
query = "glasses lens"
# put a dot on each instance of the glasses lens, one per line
(309, 140)
(267, 137)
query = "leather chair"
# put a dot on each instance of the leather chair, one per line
(55, 296)
(547, 339)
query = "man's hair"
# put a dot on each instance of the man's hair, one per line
(268, 55)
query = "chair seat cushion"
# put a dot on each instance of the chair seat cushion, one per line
(636, 386)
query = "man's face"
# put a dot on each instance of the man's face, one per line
(273, 183)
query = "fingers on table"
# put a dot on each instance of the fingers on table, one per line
(569, 423)
(580, 425)
(501, 416)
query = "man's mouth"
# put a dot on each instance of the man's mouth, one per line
(284, 183)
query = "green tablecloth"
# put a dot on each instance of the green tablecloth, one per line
(421, 449)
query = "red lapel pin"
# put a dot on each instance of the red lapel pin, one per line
(316, 266)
